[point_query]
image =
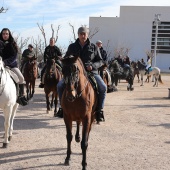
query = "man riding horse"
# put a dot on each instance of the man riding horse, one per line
(51, 52)
(28, 54)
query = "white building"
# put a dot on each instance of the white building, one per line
(135, 29)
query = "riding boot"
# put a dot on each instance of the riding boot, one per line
(42, 82)
(100, 116)
(59, 113)
(21, 98)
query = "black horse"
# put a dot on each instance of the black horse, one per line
(118, 72)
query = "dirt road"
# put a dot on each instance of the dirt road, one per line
(135, 136)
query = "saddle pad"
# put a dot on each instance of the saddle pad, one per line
(93, 81)
(13, 75)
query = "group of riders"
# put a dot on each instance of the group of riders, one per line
(92, 55)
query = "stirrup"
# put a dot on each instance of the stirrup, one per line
(22, 100)
(59, 113)
(100, 116)
(41, 85)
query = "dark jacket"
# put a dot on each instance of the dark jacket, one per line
(103, 54)
(9, 55)
(52, 52)
(27, 53)
(89, 54)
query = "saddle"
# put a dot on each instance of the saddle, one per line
(92, 81)
(13, 75)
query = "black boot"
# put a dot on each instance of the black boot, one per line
(21, 98)
(59, 113)
(99, 116)
(41, 85)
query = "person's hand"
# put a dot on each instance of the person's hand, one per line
(89, 68)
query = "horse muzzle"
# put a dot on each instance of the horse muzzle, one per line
(71, 96)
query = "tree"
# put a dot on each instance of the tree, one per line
(3, 10)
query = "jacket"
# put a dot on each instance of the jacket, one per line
(103, 54)
(27, 53)
(9, 55)
(89, 54)
(52, 52)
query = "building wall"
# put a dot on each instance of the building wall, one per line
(132, 30)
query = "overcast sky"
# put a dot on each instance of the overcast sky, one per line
(23, 15)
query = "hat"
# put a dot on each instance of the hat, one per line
(30, 45)
(98, 42)
(83, 29)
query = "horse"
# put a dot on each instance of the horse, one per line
(79, 102)
(30, 73)
(51, 78)
(152, 71)
(117, 73)
(136, 70)
(8, 98)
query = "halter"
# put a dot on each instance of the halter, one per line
(74, 77)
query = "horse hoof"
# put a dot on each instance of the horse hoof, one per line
(9, 138)
(47, 111)
(77, 139)
(66, 162)
(5, 145)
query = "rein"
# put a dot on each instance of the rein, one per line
(79, 95)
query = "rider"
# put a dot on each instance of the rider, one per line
(148, 64)
(27, 55)
(92, 60)
(9, 57)
(51, 52)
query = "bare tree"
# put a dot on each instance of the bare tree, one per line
(3, 10)
(43, 33)
(56, 37)
(74, 35)
(93, 32)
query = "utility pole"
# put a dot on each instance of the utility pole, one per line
(3, 10)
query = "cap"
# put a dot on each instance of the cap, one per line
(98, 42)
(83, 29)
(30, 45)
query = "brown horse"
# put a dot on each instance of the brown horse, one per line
(52, 77)
(78, 103)
(30, 75)
(104, 74)
(136, 70)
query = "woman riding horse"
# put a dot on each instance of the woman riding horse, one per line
(9, 57)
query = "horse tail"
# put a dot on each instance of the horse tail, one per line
(159, 79)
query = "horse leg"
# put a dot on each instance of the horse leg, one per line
(12, 120)
(30, 86)
(141, 80)
(77, 136)
(55, 104)
(47, 102)
(7, 114)
(69, 137)
(138, 78)
(52, 100)
(84, 143)
(27, 86)
(33, 88)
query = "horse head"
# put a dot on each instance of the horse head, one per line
(71, 75)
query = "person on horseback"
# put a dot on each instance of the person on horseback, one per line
(9, 57)
(51, 52)
(102, 51)
(119, 60)
(143, 62)
(92, 60)
(28, 54)
(148, 65)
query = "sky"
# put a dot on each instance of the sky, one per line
(22, 16)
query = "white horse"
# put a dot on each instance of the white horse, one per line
(153, 71)
(8, 97)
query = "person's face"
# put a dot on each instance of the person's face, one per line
(83, 37)
(99, 45)
(5, 35)
(52, 42)
(30, 48)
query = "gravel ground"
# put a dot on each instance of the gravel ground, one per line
(135, 135)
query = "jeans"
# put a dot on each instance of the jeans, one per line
(101, 89)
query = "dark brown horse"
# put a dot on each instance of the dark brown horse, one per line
(78, 103)
(30, 75)
(136, 69)
(52, 77)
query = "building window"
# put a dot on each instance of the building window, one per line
(163, 37)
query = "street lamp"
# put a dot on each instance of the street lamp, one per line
(156, 23)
